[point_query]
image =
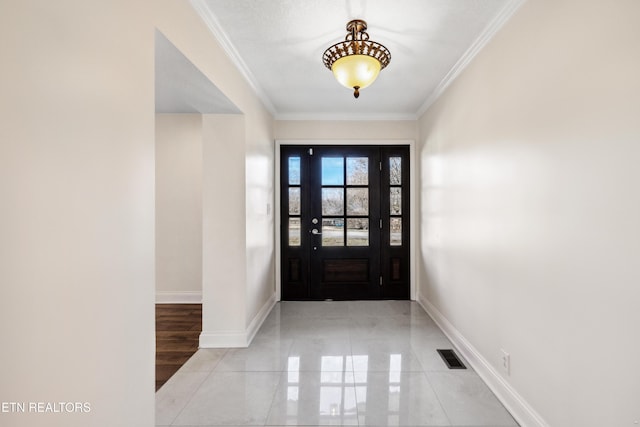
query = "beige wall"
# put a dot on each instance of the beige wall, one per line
(260, 233)
(345, 129)
(186, 30)
(77, 189)
(178, 207)
(77, 209)
(224, 240)
(530, 207)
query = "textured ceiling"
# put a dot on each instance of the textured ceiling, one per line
(278, 45)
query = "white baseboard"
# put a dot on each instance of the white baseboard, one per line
(241, 338)
(184, 297)
(223, 339)
(523, 413)
(260, 317)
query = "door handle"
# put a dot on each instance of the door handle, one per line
(315, 231)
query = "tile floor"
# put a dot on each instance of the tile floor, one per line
(351, 363)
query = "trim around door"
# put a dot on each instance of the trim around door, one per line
(412, 205)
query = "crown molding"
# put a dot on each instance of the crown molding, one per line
(213, 24)
(346, 117)
(211, 21)
(483, 39)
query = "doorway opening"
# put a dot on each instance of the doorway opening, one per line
(344, 222)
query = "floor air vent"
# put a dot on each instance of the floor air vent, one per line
(451, 359)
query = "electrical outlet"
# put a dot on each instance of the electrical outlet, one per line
(506, 362)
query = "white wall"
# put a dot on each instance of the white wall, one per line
(77, 200)
(530, 205)
(224, 241)
(77, 211)
(186, 30)
(345, 129)
(178, 207)
(260, 233)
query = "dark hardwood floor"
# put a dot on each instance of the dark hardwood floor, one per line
(178, 327)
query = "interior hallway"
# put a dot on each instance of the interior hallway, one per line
(332, 363)
(528, 199)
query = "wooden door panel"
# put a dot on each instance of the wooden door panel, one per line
(345, 270)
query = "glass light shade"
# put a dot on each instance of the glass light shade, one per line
(356, 70)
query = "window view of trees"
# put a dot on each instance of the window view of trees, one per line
(395, 201)
(357, 202)
(294, 201)
(353, 197)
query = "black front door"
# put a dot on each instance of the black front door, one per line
(345, 222)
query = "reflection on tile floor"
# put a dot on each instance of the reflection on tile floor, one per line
(350, 363)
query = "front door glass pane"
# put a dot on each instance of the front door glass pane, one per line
(358, 232)
(395, 170)
(357, 201)
(357, 171)
(332, 171)
(294, 201)
(294, 170)
(395, 197)
(332, 201)
(294, 231)
(395, 231)
(332, 232)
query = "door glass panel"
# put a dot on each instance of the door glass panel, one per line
(395, 170)
(357, 201)
(332, 201)
(395, 197)
(395, 230)
(294, 231)
(294, 170)
(332, 171)
(358, 232)
(332, 232)
(294, 201)
(357, 171)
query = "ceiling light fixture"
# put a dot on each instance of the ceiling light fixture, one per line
(356, 61)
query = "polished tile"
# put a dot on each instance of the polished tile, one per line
(375, 308)
(384, 355)
(320, 354)
(264, 354)
(380, 327)
(467, 400)
(366, 363)
(310, 309)
(397, 399)
(205, 360)
(315, 399)
(313, 327)
(175, 394)
(231, 398)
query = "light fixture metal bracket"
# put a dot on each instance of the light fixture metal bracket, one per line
(357, 43)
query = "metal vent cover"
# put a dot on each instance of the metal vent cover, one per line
(451, 359)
